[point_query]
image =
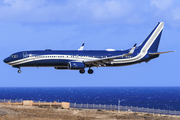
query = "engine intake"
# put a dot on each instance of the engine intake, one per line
(76, 65)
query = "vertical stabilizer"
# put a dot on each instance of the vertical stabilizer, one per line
(151, 43)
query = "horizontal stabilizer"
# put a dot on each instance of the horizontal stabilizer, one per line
(157, 53)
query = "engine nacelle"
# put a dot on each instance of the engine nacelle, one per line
(76, 65)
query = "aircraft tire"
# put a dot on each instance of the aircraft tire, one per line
(90, 71)
(82, 71)
(19, 71)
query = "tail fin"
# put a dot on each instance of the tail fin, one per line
(151, 43)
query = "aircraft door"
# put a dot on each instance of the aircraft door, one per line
(25, 54)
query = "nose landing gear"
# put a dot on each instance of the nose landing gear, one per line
(19, 71)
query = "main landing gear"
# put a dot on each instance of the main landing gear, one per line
(90, 71)
(82, 71)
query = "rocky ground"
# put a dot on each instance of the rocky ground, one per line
(8, 112)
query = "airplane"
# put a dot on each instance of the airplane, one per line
(81, 59)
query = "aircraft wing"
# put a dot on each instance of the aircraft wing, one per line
(103, 61)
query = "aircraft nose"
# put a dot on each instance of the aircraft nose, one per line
(6, 60)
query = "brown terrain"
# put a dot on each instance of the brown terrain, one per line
(9, 112)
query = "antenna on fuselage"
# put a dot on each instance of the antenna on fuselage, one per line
(81, 48)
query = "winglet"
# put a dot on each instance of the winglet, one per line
(81, 48)
(132, 49)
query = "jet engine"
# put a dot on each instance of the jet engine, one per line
(76, 65)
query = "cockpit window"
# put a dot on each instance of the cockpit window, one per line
(14, 56)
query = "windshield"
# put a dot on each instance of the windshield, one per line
(14, 56)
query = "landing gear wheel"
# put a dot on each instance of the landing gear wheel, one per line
(82, 71)
(90, 71)
(19, 71)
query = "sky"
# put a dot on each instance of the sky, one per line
(100, 24)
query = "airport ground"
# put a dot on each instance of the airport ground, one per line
(9, 112)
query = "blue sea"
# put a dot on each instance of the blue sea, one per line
(167, 98)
